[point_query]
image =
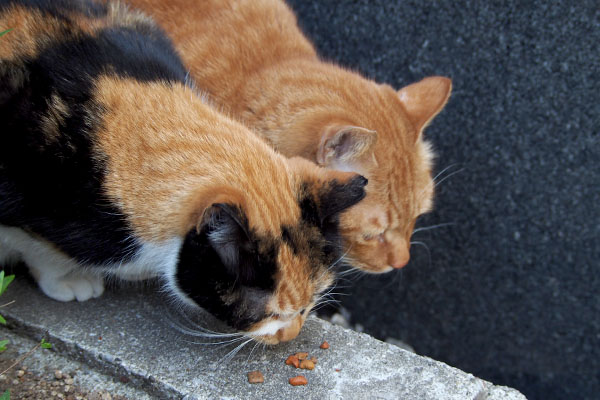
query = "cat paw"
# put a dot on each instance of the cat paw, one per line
(73, 287)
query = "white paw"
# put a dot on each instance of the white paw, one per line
(78, 286)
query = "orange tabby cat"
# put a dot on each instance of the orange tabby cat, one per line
(253, 60)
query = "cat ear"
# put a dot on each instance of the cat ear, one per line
(338, 195)
(341, 145)
(425, 99)
(227, 234)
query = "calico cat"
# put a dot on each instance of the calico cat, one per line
(110, 164)
(253, 60)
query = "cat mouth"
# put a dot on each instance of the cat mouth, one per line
(372, 269)
(274, 331)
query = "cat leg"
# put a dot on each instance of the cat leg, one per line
(8, 256)
(57, 275)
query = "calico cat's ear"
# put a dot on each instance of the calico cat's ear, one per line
(338, 195)
(227, 233)
(423, 100)
(340, 145)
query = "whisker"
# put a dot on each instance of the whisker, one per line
(336, 293)
(448, 176)
(252, 351)
(231, 341)
(229, 356)
(426, 248)
(444, 170)
(199, 331)
(428, 228)
(340, 258)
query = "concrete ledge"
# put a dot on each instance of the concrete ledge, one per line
(127, 332)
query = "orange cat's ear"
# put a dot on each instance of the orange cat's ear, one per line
(343, 144)
(425, 99)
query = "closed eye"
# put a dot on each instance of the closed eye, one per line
(370, 237)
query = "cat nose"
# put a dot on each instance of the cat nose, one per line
(291, 331)
(400, 259)
(399, 264)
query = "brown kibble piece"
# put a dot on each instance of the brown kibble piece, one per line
(293, 360)
(255, 377)
(307, 364)
(301, 356)
(298, 380)
(324, 345)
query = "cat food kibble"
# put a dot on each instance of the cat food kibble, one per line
(298, 380)
(255, 377)
(293, 360)
(301, 356)
(324, 345)
(307, 364)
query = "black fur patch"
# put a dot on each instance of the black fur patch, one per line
(63, 9)
(53, 187)
(323, 215)
(236, 294)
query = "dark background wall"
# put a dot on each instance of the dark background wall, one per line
(510, 291)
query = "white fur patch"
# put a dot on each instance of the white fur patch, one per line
(62, 278)
(58, 276)
(270, 328)
(151, 261)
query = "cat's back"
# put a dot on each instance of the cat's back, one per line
(53, 63)
(226, 41)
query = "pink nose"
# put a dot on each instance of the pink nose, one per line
(399, 260)
(399, 264)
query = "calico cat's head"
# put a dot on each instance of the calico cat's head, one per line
(256, 271)
(379, 135)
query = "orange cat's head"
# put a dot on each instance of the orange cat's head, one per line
(377, 132)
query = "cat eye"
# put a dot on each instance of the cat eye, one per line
(380, 237)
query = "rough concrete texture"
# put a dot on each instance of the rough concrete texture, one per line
(509, 292)
(44, 363)
(127, 333)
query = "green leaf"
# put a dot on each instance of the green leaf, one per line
(1, 280)
(5, 395)
(5, 282)
(45, 345)
(3, 344)
(2, 320)
(2, 34)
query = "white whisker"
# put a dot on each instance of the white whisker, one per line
(214, 343)
(442, 171)
(426, 248)
(229, 356)
(448, 176)
(427, 228)
(252, 351)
